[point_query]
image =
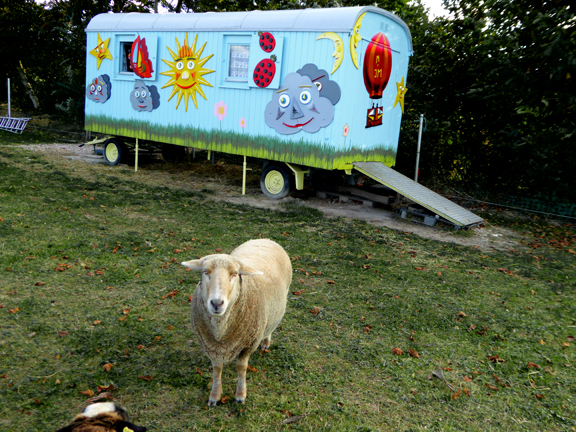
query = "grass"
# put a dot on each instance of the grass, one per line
(81, 290)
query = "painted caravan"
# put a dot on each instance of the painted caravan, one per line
(300, 89)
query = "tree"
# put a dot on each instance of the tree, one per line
(495, 85)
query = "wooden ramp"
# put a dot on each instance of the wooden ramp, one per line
(434, 202)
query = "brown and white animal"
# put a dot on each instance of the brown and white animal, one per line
(102, 417)
(238, 303)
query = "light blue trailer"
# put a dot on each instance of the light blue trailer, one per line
(312, 88)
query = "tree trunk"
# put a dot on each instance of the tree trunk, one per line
(27, 86)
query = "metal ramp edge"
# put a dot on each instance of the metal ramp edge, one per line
(407, 187)
(13, 124)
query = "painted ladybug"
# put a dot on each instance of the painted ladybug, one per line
(267, 42)
(264, 73)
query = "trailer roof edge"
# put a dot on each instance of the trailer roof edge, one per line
(312, 19)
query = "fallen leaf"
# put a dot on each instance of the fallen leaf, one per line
(172, 293)
(88, 392)
(565, 344)
(96, 322)
(13, 311)
(252, 369)
(413, 353)
(467, 392)
(126, 311)
(330, 282)
(397, 351)
(456, 395)
(367, 329)
(467, 379)
(64, 333)
(141, 347)
(122, 318)
(298, 292)
(461, 314)
(491, 387)
(570, 338)
(496, 359)
(145, 377)
(293, 419)
(177, 250)
(542, 342)
(105, 388)
(40, 283)
(539, 396)
(157, 338)
(533, 365)
(107, 366)
(315, 310)
(225, 399)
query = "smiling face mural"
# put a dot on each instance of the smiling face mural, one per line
(143, 97)
(297, 106)
(99, 89)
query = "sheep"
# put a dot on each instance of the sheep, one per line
(102, 417)
(238, 303)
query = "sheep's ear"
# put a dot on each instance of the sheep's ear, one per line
(194, 264)
(247, 270)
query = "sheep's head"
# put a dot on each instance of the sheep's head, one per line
(220, 282)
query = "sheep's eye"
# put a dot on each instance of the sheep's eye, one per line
(234, 275)
(205, 273)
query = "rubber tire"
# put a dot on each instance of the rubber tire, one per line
(275, 182)
(114, 151)
(173, 153)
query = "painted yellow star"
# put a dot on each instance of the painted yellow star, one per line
(101, 51)
(401, 91)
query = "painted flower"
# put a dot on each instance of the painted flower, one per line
(220, 110)
(346, 129)
(242, 122)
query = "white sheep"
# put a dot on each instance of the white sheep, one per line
(238, 303)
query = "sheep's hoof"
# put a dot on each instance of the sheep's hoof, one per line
(212, 402)
(240, 400)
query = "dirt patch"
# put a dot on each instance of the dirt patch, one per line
(222, 182)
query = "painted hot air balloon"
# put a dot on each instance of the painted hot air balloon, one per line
(377, 69)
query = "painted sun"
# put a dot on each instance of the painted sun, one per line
(187, 72)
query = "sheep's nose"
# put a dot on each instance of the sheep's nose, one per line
(216, 303)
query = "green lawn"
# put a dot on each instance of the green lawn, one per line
(87, 306)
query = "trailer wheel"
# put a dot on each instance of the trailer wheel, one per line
(114, 151)
(173, 153)
(275, 182)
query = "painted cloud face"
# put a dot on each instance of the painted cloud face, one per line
(143, 97)
(321, 79)
(99, 89)
(297, 105)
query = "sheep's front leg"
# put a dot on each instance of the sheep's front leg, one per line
(242, 365)
(216, 392)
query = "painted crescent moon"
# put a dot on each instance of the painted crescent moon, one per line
(338, 48)
(355, 38)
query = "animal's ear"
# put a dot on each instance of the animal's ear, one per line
(247, 270)
(194, 264)
(124, 426)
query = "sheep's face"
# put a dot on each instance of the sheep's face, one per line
(220, 284)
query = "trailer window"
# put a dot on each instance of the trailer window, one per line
(238, 63)
(125, 49)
